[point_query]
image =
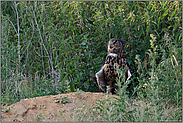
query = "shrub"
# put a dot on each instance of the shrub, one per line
(63, 43)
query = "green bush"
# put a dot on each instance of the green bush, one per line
(58, 46)
(154, 107)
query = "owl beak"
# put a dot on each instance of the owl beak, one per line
(117, 50)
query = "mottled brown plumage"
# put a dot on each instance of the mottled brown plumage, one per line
(116, 57)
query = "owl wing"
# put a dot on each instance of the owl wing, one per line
(127, 73)
(100, 79)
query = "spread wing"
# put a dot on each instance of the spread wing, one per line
(100, 79)
(127, 73)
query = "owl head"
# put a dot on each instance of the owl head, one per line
(115, 46)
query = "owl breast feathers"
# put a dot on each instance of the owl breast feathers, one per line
(116, 57)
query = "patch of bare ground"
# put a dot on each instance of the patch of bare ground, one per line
(52, 108)
(73, 107)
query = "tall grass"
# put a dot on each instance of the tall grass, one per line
(152, 103)
(55, 47)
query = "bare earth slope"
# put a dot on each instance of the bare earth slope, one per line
(53, 108)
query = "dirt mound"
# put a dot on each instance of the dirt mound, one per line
(53, 108)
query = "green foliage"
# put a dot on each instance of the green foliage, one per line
(62, 100)
(55, 47)
(155, 107)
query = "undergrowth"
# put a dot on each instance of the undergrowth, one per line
(152, 104)
(54, 47)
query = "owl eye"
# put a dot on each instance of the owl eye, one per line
(115, 43)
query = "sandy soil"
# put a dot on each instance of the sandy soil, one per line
(52, 108)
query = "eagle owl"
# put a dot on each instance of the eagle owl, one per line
(107, 75)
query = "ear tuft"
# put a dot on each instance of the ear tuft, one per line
(122, 41)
